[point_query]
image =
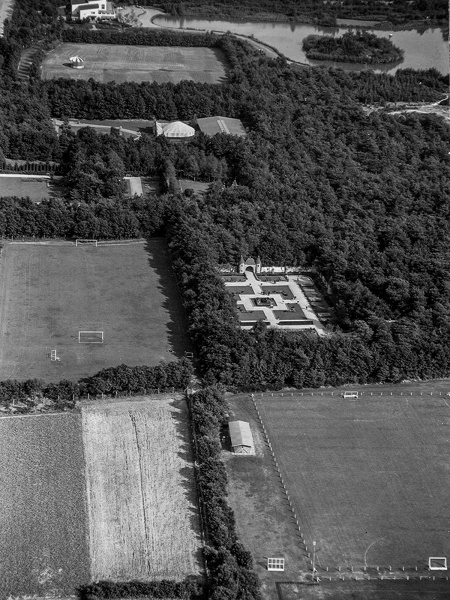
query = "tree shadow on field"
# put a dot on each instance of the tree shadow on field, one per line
(177, 328)
(181, 420)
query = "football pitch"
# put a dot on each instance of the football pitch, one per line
(160, 64)
(368, 478)
(49, 293)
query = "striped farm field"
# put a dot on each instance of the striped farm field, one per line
(43, 526)
(143, 520)
(160, 64)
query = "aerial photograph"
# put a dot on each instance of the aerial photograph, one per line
(225, 300)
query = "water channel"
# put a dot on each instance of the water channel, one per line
(423, 49)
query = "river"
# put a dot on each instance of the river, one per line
(423, 49)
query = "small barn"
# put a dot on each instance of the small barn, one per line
(241, 437)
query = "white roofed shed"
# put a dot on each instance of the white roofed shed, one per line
(241, 437)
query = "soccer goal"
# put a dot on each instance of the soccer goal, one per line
(90, 337)
(82, 241)
(275, 564)
(437, 563)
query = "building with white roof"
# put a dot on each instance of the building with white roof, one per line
(241, 437)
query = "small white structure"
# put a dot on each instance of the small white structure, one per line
(76, 62)
(241, 437)
(350, 395)
(275, 564)
(437, 563)
(175, 130)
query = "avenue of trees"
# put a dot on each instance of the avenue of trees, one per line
(360, 47)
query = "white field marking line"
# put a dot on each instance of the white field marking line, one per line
(446, 402)
(393, 416)
(106, 244)
(369, 547)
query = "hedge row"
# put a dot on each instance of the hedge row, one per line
(113, 381)
(140, 37)
(230, 566)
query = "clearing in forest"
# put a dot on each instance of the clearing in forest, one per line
(50, 292)
(161, 64)
(141, 496)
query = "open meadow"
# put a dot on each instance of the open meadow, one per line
(50, 292)
(43, 529)
(35, 188)
(161, 64)
(369, 478)
(141, 494)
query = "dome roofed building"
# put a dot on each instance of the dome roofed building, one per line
(175, 130)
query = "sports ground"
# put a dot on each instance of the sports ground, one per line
(49, 293)
(161, 64)
(35, 188)
(367, 479)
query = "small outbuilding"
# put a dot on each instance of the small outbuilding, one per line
(241, 437)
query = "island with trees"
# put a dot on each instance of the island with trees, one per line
(358, 47)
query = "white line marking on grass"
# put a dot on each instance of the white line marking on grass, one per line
(369, 547)
(395, 414)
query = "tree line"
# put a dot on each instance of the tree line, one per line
(360, 47)
(120, 380)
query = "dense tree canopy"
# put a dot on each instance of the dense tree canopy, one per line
(361, 197)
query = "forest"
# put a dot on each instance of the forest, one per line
(360, 198)
(313, 11)
(354, 46)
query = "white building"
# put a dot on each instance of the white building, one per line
(241, 437)
(93, 9)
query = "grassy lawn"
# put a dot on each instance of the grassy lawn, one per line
(265, 523)
(43, 533)
(51, 292)
(366, 590)
(105, 62)
(34, 188)
(368, 477)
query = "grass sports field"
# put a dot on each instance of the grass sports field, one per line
(43, 529)
(369, 477)
(107, 62)
(35, 188)
(143, 515)
(51, 292)
(368, 480)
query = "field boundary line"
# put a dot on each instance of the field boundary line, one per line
(303, 543)
(49, 414)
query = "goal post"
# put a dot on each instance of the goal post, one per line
(90, 337)
(84, 241)
(275, 564)
(437, 563)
